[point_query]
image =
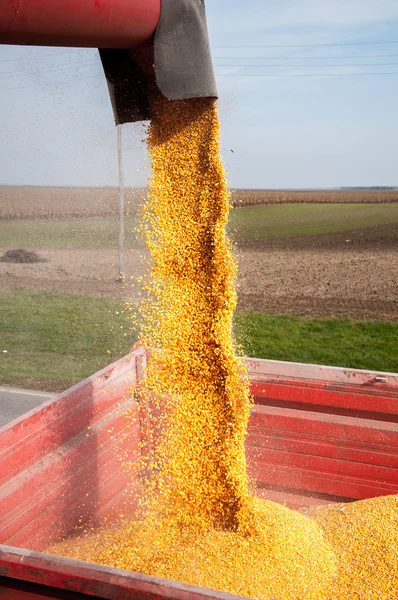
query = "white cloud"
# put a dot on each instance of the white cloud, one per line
(267, 16)
(338, 12)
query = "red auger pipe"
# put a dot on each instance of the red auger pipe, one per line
(80, 23)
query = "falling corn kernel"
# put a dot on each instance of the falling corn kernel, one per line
(198, 521)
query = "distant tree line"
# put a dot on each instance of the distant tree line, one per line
(371, 187)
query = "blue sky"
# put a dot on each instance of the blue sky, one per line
(330, 128)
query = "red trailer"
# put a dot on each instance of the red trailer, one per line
(317, 435)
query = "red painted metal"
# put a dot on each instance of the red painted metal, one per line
(82, 23)
(61, 464)
(96, 581)
(264, 370)
(63, 459)
(326, 397)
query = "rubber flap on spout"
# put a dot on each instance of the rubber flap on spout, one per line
(182, 63)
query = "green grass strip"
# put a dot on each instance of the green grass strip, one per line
(325, 341)
(249, 223)
(55, 340)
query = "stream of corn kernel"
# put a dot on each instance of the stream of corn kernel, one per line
(198, 521)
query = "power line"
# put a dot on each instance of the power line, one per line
(311, 45)
(49, 84)
(302, 74)
(312, 66)
(33, 71)
(72, 66)
(302, 57)
(26, 56)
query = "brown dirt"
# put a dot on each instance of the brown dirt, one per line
(74, 270)
(310, 275)
(19, 255)
(367, 238)
(345, 283)
(346, 274)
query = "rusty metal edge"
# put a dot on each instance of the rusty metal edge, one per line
(360, 377)
(103, 373)
(96, 580)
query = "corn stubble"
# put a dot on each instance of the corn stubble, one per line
(198, 522)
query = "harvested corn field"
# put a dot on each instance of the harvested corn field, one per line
(362, 196)
(35, 202)
(26, 202)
